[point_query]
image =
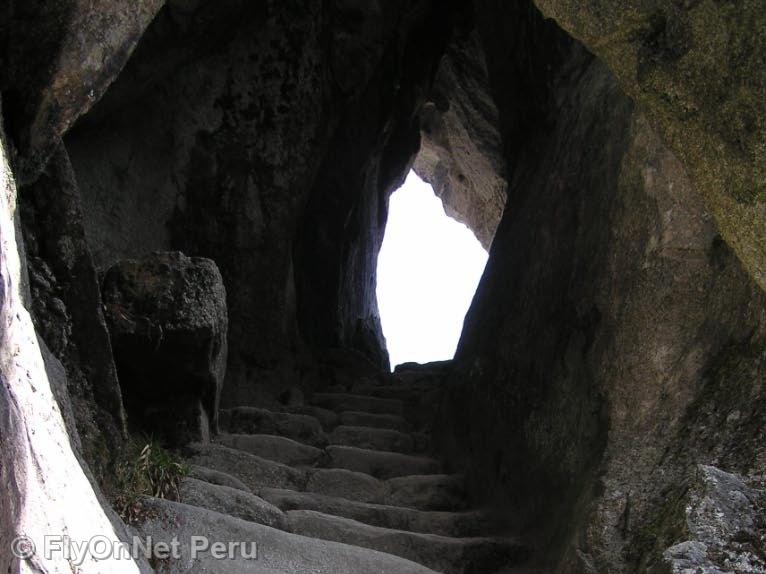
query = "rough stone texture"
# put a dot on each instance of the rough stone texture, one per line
(607, 301)
(233, 502)
(276, 448)
(390, 422)
(725, 519)
(167, 316)
(255, 472)
(461, 153)
(265, 136)
(67, 311)
(378, 463)
(252, 420)
(697, 68)
(347, 484)
(373, 438)
(58, 58)
(458, 524)
(614, 345)
(443, 554)
(46, 488)
(279, 552)
(428, 492)
(216, 477)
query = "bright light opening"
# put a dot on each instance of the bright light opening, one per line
(428, 270)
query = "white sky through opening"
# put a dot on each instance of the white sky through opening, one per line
(428, 270)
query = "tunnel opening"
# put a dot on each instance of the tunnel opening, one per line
(428, 269)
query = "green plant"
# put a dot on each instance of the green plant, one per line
(148, 470)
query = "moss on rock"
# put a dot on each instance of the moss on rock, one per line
(698, 70)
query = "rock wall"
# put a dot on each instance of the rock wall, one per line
(266, 137)
(607, 307)
(461, 152)
(66, 307)
(611, 370)
(47, 485)
(57, 60)
(697, 70)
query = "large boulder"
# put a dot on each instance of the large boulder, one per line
(167, 316)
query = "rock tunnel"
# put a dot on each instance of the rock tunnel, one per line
(195, 199)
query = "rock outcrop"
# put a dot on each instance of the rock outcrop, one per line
(724, 517)
(58, 59)
(607, 400)
(47, 488)
(167, 316)
(697, 70)
(66, 307)
(611, 311)
(461, 152)
(239, 134)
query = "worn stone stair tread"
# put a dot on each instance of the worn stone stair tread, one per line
(329, 419)
(372, 438)
(279, 552)
(232, 501)
(303, 428)
(458, 524)
(382, 421)
(428, 492)
(378, 463)
(406, 392)
(273, 447)
(252, 470)
(216, 477)
(347, 484)
(441, 553)
(420, 492)
(340, 402)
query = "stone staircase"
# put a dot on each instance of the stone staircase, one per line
(352, 467)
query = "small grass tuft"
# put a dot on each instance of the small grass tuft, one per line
(148, 469)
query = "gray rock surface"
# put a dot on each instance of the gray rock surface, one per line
(461, 152)
(47, 491)
(612, 323)
(393, 422)
(443, 554)
(726, 522)
(428, 492)
(216, 477)
(167, 317)
(696, 69)
(458, 524)
(271, 447)
(231, 501)
(67, 309)
(252, 470)
(616, 342)
(277, 551)
(347, 484)
(372, 438)
(251, 420)
(265, 137)
(59, 58)
(378, 463)
(341, 402)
